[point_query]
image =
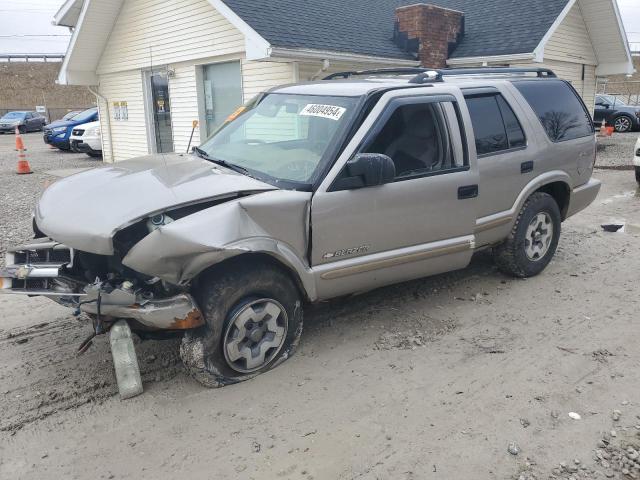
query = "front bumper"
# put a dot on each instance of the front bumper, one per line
(583, 196)
(82, 146)
(60, 142)
(10, 129)
(41, 268)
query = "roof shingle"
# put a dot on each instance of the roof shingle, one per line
(492, 27)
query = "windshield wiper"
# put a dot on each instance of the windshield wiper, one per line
(231, 166)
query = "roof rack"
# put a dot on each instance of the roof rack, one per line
(427, 75)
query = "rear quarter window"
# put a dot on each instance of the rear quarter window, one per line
(562, 114)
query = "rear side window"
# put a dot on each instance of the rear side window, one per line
(558, 107)
(495, 126)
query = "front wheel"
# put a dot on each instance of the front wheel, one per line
(623, 124)
(638, 175)
(22, 129)
(533, 240)
(253, 314)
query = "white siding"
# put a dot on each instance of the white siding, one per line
(129, 136)
(184, 106)
(311, 70)
(571, 41)
(258, 77)
(170, 32)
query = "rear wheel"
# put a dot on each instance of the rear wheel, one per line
(638, 174)
(623, 124)
(533, 240)
(253, 314)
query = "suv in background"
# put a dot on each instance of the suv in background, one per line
(25, 121)
(401, 173)
(57, 133)
(87, 138)
(624, 118)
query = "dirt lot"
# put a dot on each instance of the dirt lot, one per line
(435, 378)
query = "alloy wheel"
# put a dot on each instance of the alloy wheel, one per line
(622, 124)
(255, 334)
(539, 236)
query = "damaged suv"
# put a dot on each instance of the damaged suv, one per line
(310, 192)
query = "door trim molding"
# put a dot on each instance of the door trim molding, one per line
(398, 257)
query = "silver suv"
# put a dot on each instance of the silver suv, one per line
(310, 192)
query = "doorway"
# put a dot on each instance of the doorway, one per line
(160, 111)
(222, 84)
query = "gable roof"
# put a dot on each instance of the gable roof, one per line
(492, 27)
(362, 30)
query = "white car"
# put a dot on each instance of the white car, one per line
(636, 159)
(87, 138)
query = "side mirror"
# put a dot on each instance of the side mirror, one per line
(366, 170)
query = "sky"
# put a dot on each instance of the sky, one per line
(25, 25)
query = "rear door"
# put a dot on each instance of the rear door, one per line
(420, 224)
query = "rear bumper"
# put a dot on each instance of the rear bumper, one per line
(583, 196)
(41, 268)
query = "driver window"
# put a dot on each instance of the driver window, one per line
(416, 138)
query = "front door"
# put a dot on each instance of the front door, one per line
(161, 110)
(420, 224)
(222, 93)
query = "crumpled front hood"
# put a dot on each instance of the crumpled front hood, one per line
(85, 210)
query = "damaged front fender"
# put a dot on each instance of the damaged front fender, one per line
(275, 223)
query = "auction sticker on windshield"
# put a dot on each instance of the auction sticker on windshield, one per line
(325, 111)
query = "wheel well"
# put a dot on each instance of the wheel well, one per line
(561, 194)
(255, 260)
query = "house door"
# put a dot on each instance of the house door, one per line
(222, 93)
(161, 109)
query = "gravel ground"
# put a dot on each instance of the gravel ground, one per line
(467, 375)
(19, 193)
(616, 151)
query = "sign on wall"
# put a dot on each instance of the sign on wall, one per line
(120, 111)
(41, 109)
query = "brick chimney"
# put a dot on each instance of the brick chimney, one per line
(436, 29)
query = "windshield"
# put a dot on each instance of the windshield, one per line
(70, 115)
(14, 116)
(613, 101)
(284, 137)
(86, 115)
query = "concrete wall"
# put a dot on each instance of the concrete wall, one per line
(23, 85)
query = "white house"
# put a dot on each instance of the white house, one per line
(157, 65)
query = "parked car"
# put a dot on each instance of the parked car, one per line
(25, 121)
(314, 191)
(624, 118)
(58, 133)
(636, 160)
(87, 138)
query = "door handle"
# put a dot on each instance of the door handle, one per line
(526, 167)
(468, 191)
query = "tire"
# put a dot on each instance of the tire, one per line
(638, 174)
(239, 294)
(518, 255)
(94, 154)
(22, 129)
(623, 124)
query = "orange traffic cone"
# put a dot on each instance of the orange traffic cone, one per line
(23, 165)
(603, 128)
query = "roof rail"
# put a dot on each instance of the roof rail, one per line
(428, 75)
(377, 71)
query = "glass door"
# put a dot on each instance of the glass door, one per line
(222, 93)
(161, 112)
